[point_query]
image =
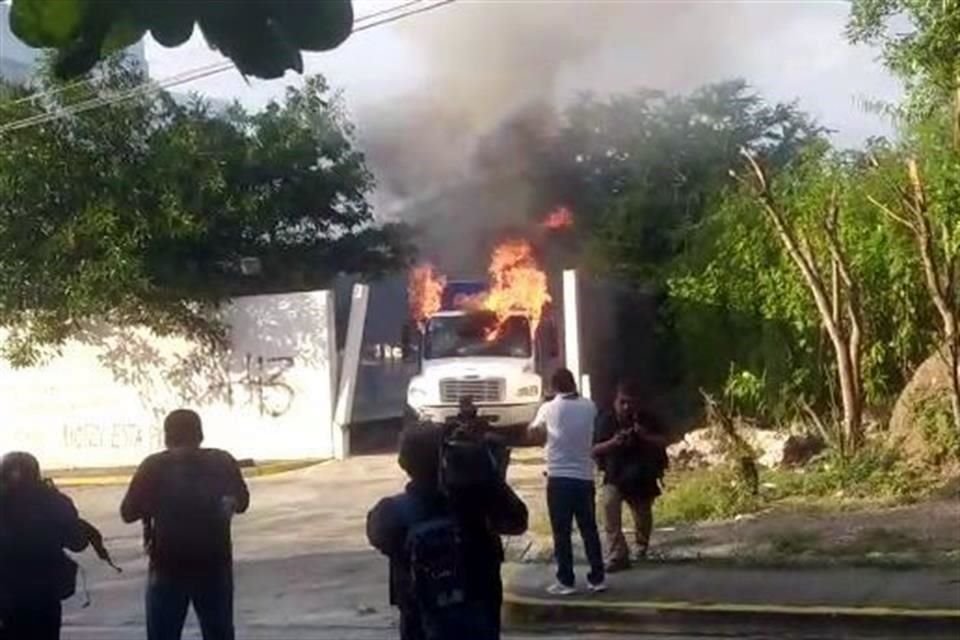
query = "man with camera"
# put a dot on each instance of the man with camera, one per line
(37, 523)
(442, 534)
(631, 451)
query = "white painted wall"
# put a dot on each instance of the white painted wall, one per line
(102, 401)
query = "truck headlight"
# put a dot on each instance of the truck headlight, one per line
(416, 395)
(529, 391)
(417, 392)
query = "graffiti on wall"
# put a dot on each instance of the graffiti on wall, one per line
(261, 384)
(111, 436)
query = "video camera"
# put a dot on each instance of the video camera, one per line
(471, 457)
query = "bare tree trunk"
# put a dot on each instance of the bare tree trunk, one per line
(956, 115)
(940, 277)
(953, 347)
(846, 346)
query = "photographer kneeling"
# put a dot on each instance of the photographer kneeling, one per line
(442, 534)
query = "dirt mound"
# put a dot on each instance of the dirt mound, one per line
(930, 382)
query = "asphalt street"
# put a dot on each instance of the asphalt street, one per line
(303, 567)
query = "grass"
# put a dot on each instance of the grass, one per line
(876, 477)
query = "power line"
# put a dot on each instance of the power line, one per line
(382, 12)
(186, 76)
(85, 81)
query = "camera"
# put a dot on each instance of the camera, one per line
(471, 458)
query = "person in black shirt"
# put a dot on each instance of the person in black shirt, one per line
(631, 451)
(481, 513)
(37, 523)
(186, 497)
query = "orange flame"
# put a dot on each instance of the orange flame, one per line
(517, 284)
(425, 292)
(559, 218)
(517, 287)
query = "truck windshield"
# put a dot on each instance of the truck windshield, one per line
(476, 334)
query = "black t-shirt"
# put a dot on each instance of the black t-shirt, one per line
(180, 496)
(637, 466)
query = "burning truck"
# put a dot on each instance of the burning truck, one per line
(489, 340)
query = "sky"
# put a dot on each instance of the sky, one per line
(426, 93)
(786, 49)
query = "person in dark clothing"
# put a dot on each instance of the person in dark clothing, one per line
(186, 497)
(631, 449)
(37, 523)
(482, 513)
(471, 424)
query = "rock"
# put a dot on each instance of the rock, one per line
(707, 448)
(930, 380)
(799, 449)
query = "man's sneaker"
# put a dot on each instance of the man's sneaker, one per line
(558, 589)
(599, 587)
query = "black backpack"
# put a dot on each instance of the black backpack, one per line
(436, 582)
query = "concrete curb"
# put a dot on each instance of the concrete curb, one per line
(671, 617)
(114, 479)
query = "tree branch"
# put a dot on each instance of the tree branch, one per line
(893, 216)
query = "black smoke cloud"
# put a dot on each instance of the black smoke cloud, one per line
(457, 157)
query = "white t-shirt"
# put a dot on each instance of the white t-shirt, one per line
(569, 422)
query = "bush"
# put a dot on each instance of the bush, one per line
(940, 436)
(876, 473)
(703, 494)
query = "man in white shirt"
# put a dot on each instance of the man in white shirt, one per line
(567, 423)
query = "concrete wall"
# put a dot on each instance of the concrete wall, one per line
(102, 400)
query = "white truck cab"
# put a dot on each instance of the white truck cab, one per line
(460, 356)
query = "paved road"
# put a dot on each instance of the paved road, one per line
(304, 571)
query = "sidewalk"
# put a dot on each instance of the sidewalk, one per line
(671, 596)
(74, 478)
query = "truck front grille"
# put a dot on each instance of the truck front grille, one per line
(480, 389)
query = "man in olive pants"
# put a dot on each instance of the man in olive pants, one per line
(631, 450)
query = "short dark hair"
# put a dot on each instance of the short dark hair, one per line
(563, 382)
(183, 428)
(420, 452)
(19, 468)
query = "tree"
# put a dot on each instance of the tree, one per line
(263, 38)
(742, 306)
(927, 56)
(151, 211)
(640, 169)
(837, 296)
(921, 189)
(928, 59)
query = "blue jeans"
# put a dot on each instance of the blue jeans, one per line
(169, 596)
(569, 499)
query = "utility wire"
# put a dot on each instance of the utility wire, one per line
(85, 81)
(186, 76)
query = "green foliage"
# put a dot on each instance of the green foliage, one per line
(703, 495)
(940, 436)
(875, 474)
(264, 38)
(744, 392)
(926, 54)
(641, 169)
(146, 211)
